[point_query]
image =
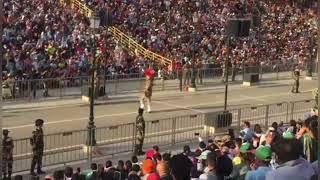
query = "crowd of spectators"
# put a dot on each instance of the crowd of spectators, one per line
(280, 152)
(47, 39)
(177, 29)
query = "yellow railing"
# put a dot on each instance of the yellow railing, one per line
(121, 38)
(135, 47)
(84, 9)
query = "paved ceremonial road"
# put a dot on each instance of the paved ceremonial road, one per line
(72, 114)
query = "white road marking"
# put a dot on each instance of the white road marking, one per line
(189, 107)
(255, 98)
(177, 106)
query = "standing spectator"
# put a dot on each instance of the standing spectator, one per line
(247, 133)
(37, 143)
(261, 166)
(122, 172)
(148, 167)
(163, 171)
(309, 139)
(210, 172)
(68, 172)
(293, 127)
(178, 171)
(291, 165)
(93, 175)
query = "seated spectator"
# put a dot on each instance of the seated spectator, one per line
(261, 165)
(291, 165)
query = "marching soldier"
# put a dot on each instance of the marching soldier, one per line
(296, 76)
(37, 144)
(149, 73)
(140, 132)
(7, 154)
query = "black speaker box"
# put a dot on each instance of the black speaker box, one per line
(219, 119)
(238, 27)
(251, 77)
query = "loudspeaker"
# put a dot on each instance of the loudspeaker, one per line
(251, 77)
(218, 119)
(238, 27)
(244, 28)
(233, 27)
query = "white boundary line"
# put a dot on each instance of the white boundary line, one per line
(188, 107)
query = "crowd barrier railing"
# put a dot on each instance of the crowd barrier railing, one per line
(66, 147)
(41, 89)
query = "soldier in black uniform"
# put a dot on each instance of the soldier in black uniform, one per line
(233, 70)
(7, 154)
(140, 132)
(296, 76)
(37, 144)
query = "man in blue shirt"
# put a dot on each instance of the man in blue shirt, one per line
(247, 133)
(263, 156)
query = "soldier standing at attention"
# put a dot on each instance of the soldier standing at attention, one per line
(149, 73)
(199, 71)
(223, 64)
(7, 154)
(37, 144)
(296, 76)
(140, 132)
(233, 70)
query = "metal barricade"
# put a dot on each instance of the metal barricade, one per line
(116, 139)
(255, 114)
(28, 90)
(277, 113)
(71, 146)
(59, 148)
(299, 108)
